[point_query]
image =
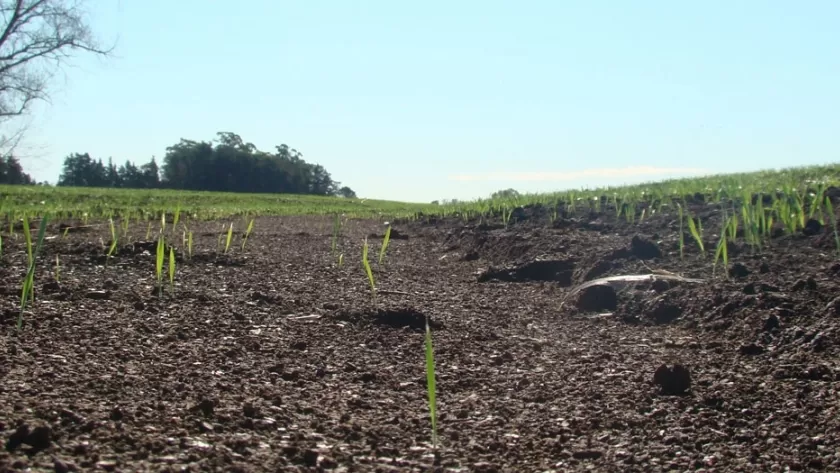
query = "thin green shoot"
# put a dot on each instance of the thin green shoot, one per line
(57, 269)
(248, 233)
(172, 270)
(189, 244)
(229, 237)
(695, 233)
(681, 232)
(829, 210)
(385, 241)
(113, 246)
(341, 260)
(177, 216)
(28, 289)
(430, 384)
(28, 236)
(148, 231)
(159, 263)
(721, 250)
(366, 265)
(66, 231)
(336, 231)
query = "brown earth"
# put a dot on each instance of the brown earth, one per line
(275, 359)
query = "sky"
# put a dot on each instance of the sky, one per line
(418, 101)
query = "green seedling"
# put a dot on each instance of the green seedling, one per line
(57, 270)
(341, 260)
(384, 244)
(28, 289)
(248, 233)
(66, 231)
(681, 232)
(829, 210)
(159, 263)
(368, 271)
(336, 230)
(177, 216)
(721, 250)
(430, 383)
(695, 233)
(113, 246)
(189, 244)
(28, 237)
(148, 231)
(163, 222)
(229, 237)
(172, 270)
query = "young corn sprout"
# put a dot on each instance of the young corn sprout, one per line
(336, 230)
(384, 244)
(829, 210)
(28, 289)
(366, 265)
(57, 269)
(113, 246)
(189, 244)
(229, 237)
(696, 234)
(159, 263)
(248, 233)
(177, 216)
(682, 237)
(148, 231)
(172, 270)
(430, 383)
(721, 250)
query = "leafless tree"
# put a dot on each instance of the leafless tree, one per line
(36, 38)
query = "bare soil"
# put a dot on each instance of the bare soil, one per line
(276, 359)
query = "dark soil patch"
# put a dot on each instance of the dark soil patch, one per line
(274, 358)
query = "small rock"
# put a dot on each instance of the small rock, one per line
(310, 458)
(61, 466)
(643, 248)
(587, 454)
(812, 227)
(772, 323)
(597, 298)
(249, 410)
(98, 295)
(739, 271)
(751, 349)
(672, 381)
(107, 465)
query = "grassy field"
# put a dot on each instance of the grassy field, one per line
(62, 202)
(153, 330)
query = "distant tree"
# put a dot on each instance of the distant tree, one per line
(346, 192)
(11, 172)
(80, 170)
(505, 194)
(36, 37)
(229, 164)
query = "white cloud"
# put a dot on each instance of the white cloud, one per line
(629, 171)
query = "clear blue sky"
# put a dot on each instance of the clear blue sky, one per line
(425, 100)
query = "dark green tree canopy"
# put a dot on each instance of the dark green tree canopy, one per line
(228, 164)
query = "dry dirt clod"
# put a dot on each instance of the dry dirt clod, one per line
(597, 298)
(672, 381)
(644, 249)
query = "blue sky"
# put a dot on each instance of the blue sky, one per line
(419, 101)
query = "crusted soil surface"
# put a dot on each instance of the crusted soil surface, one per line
(274, 358)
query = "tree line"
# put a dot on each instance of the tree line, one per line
(228, 164)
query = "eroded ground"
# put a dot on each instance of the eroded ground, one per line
(275, 359)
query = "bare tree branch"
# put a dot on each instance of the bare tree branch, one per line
(36, 37)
